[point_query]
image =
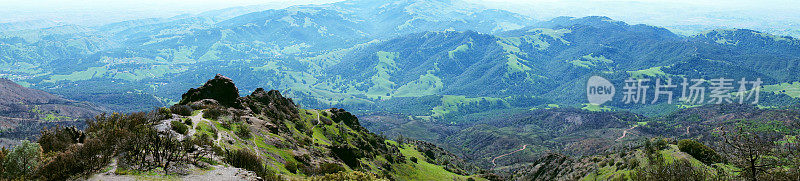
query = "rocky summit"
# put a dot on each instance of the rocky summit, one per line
(220, 88)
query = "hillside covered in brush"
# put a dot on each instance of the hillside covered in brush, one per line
(24, 112)
(531, 135)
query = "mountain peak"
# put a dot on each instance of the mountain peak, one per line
(221, 89)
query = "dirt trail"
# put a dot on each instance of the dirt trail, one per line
(222, 173)
(219, 173)
(318, 120)
(501, 156)
(195, 121)
(625, 133)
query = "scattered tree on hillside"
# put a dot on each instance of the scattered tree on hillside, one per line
(751, 151)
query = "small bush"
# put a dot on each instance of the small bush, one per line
(633, 163)
(188, 122)
(651, 146)
(248, 160)
(217, 150)
(329, 168)
(179, 127)
(293, 166)
(661, 143)
(215, 113)
(197, 106)
(59, 139)
(182, 110)
(77, 160)
(165, 111)
(243, 131)
(699, 151)
(226, 121)
(133, 139)
(213, 131)
(162, 113)
(347, 153)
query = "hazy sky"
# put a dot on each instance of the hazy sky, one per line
(102, 11)
(686, 17)
(723, 13)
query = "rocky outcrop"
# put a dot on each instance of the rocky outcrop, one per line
(271, 103)
(220, 88)
(221, 91)
(340, 115)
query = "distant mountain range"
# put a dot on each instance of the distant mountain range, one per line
(152, 60)
(355, 54)
(547, 63)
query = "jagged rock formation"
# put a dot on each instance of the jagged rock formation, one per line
(220, 88)
(222, 91)
(340, 115)
(271, 103)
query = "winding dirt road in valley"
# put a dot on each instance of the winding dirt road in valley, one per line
(625, 133)
(501, 156)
